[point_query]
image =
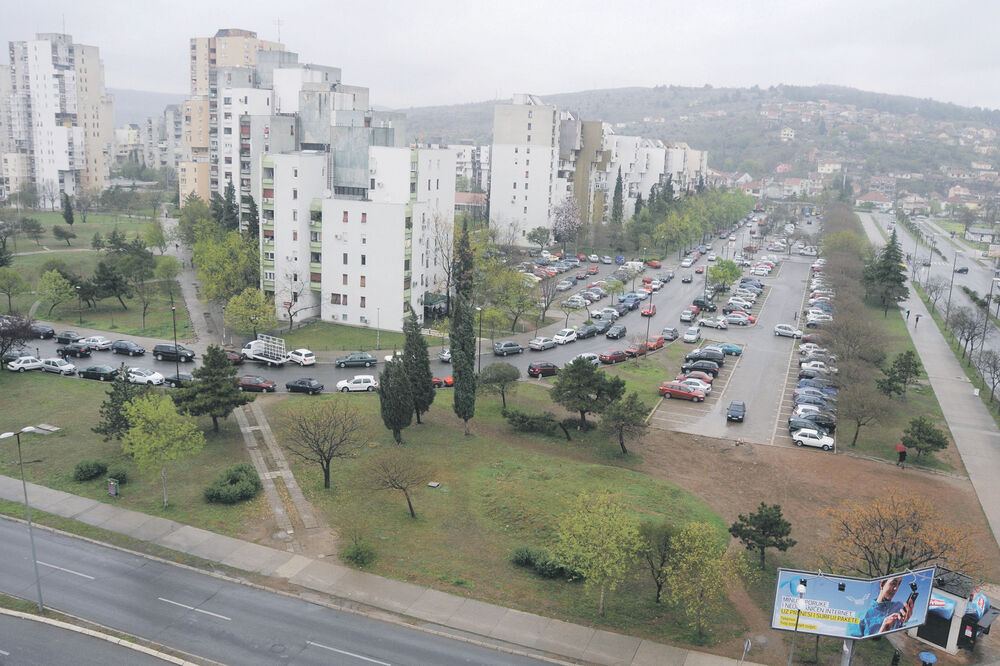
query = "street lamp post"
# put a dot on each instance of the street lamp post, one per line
(947, 310)
(799, 605)
(27, 510)
(378, 327)
(479, 343)
(79, 304)
(177, 356)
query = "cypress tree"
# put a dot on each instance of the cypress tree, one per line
(617, 201)
(463, 341)
(395, 400)
(418, 366)
(67, 209)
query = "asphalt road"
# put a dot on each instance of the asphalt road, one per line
(30, 642)
(208, 616)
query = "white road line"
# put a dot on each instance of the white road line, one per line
(197, 610)
(69, 571)
(349, 654)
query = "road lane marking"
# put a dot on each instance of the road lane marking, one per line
(197, 610)
(349, 654)
(70, 571)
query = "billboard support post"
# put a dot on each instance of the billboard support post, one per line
(799, 604)
(848, 654)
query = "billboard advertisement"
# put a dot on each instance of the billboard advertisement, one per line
(843, 607)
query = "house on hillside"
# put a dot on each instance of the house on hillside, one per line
(787, 134)
(874, 199)
(980, 235)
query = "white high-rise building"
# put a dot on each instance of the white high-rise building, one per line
(58, 118)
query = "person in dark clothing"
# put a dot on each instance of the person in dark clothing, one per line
(916, 320)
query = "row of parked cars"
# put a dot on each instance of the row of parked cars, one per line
(699, 371)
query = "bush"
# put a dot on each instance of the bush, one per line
(525, 556)
(236, 484)
(540, 561)
(544, 423)
(86, 470)
(573, 423)
(358, 554)
(118, 473)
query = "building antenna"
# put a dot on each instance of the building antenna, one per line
(278, 22)
(64, 22)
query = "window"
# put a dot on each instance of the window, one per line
(525, 174)
(315, 236)
(345, 216)
(437, 184)
(529, 127)
(295, 235)
(345, 279)
(345, 258)
(515, 185)
(227, 100)
(295, 194)
(334, 299)
(315, 257)
(363, 258)
(295, 173)
(364, 218)
(227, 130)
(269, 256)
(364, 240)
(344, 296)
(268, 275)
(362, 301)
(362, 280)
(229, 160)
(295, 216)
(428, 184)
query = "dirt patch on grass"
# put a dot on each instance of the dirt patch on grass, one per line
(735, 479)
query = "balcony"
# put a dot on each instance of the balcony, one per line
(267, 182)
(315, 246)
(267, 203)
(315, 267)
(267, 264)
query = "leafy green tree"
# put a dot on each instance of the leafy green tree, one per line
(194, 219)
(500, 378)
(639, 203)
(656, 550)
(114, 423)
(885, 275)
(463, 341)
(599, 538)
(154, 236)
(614, 288)
(62, 233)
(138, 267)
(12, 284)
(511, 294)
(417, 364)
(159, 435)
(112, 282)
(321, 432)
(67, 209)
(724, 272)
(923, 436)
(32, 228)
(862, 403)
(539, 236)
(700, 575)
(14, 335)
(581, 387)
(226, 264)
(97, 241)
(250, 310)
(55, 289)
(395, 399)
(626, 418)
(566, 221)
(764, 528)
(166, 272)
(216, 393)
(230, 220)
(6, 257)
(252, 217)
(888, 384)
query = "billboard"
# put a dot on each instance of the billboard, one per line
(843, 607)
(994, 251)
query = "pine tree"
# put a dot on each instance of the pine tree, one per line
(216, 393)
(764, 528)
(114, 423)
(231, 209)
(463, 341)
(395, 400)
(67, 209)
(418, 366)
(252, 218)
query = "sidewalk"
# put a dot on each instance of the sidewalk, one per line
(975, 433)
(436, 611)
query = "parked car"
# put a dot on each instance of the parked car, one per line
(542, 369)
(716, 355)
(144, 376)
(74, 349)
(687, 316)
(713, 322)
(962, 269)
(589, 357)
(800, 422)
(655, 342)
(304, 385)
(694, 382)
(171, 352)
(818, 365)
(605, 259)
(180, 379)
(616, 331)
(358, 383)
(704, 365)
(59, 366)
(726, 348)
(696, 374)
(436, 382)
(612, 356)
(66, 337)
(680, 390)
(670, 334)
(807, 437)
(819, 385)
(586, 331)
(127, 347)
(42, 332)
(24, 363)
(565, 336)
(739, 319)
(704, 304)
(102, 373)
(825, 420)
(648, 311)
(692, 335)
(602, 326)
(787, 330)
(736, 411)
(256, 383)
(541, 344)
(564, 285)
(302, 357)
(636, 349)
(356, 359)
(445, 355)
(97, 342)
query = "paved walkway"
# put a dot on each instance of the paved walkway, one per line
(975, 433)
(434, 610)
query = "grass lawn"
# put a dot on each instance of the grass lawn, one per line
(498, 491)
(101, 223)
(76, 260)
(325, 336)
(73, 405)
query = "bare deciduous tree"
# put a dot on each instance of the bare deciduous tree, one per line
(321, 432)
(862, 404)
(547, 294)
(442, 236)
(935, 288)
(397, 469)
(988, 363)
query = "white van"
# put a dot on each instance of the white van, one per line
(635, 266)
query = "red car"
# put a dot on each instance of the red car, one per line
(581, 257)
(594, 270)
(695, 310)
(697, 374)
(679, 390)
(648, 311)
(447, 382)
(635, 349)
(654, 263)
(542, 369)
(655, 342)
(256, 383)
(234, 357)
(613, 356)
(699, 269)
(647, 280)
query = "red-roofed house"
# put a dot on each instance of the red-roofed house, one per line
(875, 199)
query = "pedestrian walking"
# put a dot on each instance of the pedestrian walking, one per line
(901, 453)
(907, 314)
(916, 320)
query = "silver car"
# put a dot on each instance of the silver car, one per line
(540, 344)
(59, 366)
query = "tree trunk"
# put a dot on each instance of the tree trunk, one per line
(215, 423)
(124, 307)
(413, 514)
(857, 429)
(600, 606)
(417, 412)
(326, 475)
(762, 549)
(163, 482)
(468, 433)
(397, 435)
(583, 418)
(503, 397)
(621, 443)
(145, 308)
(565, 432)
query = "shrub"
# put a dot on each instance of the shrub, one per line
(118, 473)
(235, 484)
(544, 423)
(573, 423)
(358, 554)
(86, 470)
(539, 560)
(525, 556)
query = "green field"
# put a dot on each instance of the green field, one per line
(102, 223)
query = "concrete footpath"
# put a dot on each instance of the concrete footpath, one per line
(434, 610)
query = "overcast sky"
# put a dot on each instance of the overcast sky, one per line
(425, 52)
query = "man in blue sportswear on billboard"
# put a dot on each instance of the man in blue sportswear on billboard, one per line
(886, 614)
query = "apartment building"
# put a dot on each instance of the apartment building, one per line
(472, 163)
(58, 118)
(162, 139)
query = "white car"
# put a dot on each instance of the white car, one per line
(593, 258)
(687, 263)
(541, 343)
(787, 330)
(819, 366)
(711, 257)
(575, 302)
(302, 357)
(656, 285)
(604, 313)
(713, 322)
(704, 387)
(805, 409)
(98, 342)
(58, 365)
(565, 336)
(590, 357)
(24, 363)
(605, 259)
(742, 302)
(357, 383)
(144, 376)
(811, 348)
(564, 285)
(692, 335)
(731, 237)
(809, 437)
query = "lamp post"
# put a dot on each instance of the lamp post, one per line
(177, 356)
(479, 343)
(79, 304)
(378, 327)
(27, 509)
(947, 310)
(799, 606)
